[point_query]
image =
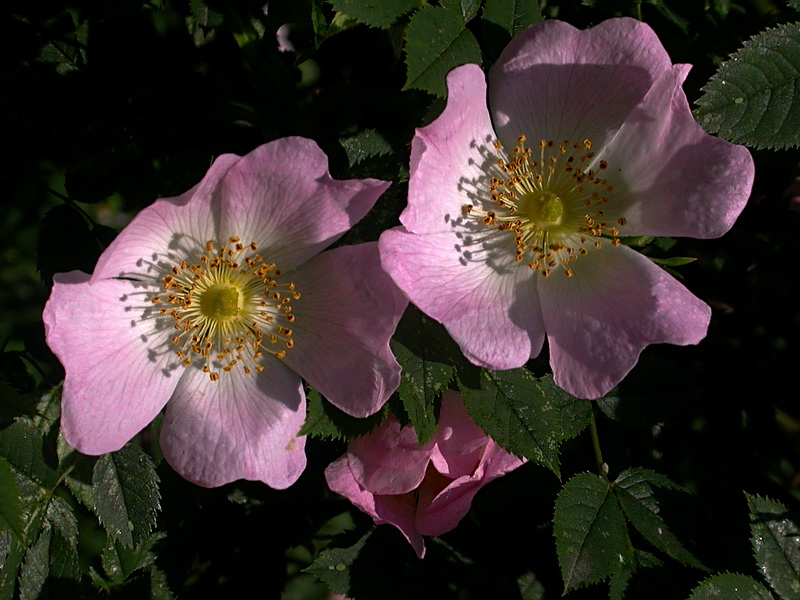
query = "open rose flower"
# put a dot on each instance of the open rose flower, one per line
(218, 301)
(420, 490)
(517, 203)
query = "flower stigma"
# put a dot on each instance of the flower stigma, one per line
(557, 206)
(228, 308)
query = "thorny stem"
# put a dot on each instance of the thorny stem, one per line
(602, 467)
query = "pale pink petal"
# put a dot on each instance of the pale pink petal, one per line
(450, 157)
(346, 315)
(240, 427)
(672, 177)
(600, 320)
(487, 301)
(395, 510)
(444, 512)
(282, 197)
(389, 460)
(117, 380)
(459, 441)
(169, 230)
(559, 83)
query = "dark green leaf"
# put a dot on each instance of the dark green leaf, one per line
(35, 567)
(526, 416)
(468, 8)
(530, 588)
(754, 98)
(10, 508)
(78, 469)
(22, 446)
(730, 586)
(204, 16)
(620, 580)
(126, 496)
(375, 13)
(634, 490)
(64, 557)
(795, 4)
(437, 42)
(776, 544)
(332, 566)
(503, 20)
(324, 420)
(14, 405)
(12, 553)
(591, 536)
(120, 562)
(673, 261)
(365, 144)
(428, 356)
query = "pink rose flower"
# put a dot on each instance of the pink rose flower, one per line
(218, 302)
(420, 490)
(517, 203)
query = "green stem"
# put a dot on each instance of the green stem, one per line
(602, 467)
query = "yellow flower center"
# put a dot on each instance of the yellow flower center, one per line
(556, 207)
(227, 308)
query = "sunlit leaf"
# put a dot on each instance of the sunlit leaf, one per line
(754, 97)
(332, 566)
(436, 42)
(375, 13)
(526, 416)
(126, 496)
(590, 531)
(730, 586)
(776, 544)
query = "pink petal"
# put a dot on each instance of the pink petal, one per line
(459, 441)
(449, 157)
(115, 385)
(600, 320)
(282, 197)
(346, 316)
(169, 230)
(675, 178)
(240, 427)
(389, 460)
(395, 510)
(487, 301)
(556, 82)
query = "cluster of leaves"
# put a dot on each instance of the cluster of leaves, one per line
(149, 92)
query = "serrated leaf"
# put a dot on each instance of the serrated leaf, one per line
(620, 580)
(468, 8)
(326, 421)
(754, 97)
(64, 562)
(35, 567)
(78, 470)
(12, 553)
(365, 144)
(332, 566)
(120, 562)
(126, 495)
(526, 416)
(428, 356)
(23, 447)
(589, 527)
(375, 13)
(10, 507)
(730, 586)
(634, 490)
(437, 41)
(776, 544)
(503, 20)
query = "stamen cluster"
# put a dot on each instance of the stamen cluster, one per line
(554, 205)
(228, 308)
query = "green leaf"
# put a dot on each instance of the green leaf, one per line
(795, 4)
(23, 448)
(120, 562)
(365, 144)
(126, 496)
(673, 261)
(428, 356)
(14, 405)
(634, 490)
(526, 416)
(530, 588)
(776, 544)
(591, 536)
(620, 580)
(730, 586)
(12, 553)
(503, 20)
(468, 8)
(437, 41)
(754, 97)
(375, 13)
(204, 16)
(10, 508)
(332, 566)
(35, 567)
(326, 421)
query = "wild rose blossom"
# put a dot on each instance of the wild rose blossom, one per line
(420, 490)
(516, 207)
(218, 301)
